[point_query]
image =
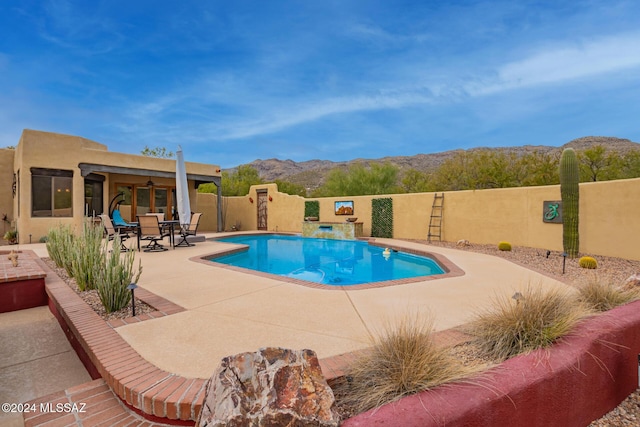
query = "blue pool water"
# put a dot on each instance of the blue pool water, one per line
(326, 261)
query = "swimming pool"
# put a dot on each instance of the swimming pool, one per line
(326, 261)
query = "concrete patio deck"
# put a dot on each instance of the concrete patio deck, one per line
(209, 312)
(228, 312)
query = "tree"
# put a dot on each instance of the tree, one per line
(597, 164)
(451, 175)
(208, 187)
(630, 165)
(541, 168)
(160, 152)
(234, 183)
(291, 188)
(239, 182)
(479, 169)
(415, 181)
(359, 180)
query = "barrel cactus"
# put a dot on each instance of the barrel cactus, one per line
(504, 246)
(569, 191)
(588, 262)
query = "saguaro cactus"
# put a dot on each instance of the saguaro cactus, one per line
(569, 191)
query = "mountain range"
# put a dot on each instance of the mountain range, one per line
(312, 173)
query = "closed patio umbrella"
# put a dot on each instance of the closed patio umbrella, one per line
(182, 190)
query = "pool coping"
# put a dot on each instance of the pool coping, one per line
(451, 269)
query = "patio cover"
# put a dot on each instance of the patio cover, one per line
(88, 168)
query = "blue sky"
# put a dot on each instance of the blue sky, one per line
(234, 81)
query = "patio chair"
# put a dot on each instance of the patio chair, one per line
(191, 230)
(112, 231)
(120, 223)
(160, 215)
(166, 228)
(149, 229)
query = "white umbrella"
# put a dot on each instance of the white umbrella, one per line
(182, 190)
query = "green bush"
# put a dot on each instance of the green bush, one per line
(504, 246)
(114, 277)
(87, 256)
(527, 321)
(60, 242)
(588, 262)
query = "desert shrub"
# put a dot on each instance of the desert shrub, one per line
(529, 320)
(87, 256)
(504, 246)
(602, 295)
(60, 241)
(114, 277)
(588, 262)
(402, 360)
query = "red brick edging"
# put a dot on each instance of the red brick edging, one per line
(152, 392)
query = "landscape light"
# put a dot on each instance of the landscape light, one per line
(132, 287)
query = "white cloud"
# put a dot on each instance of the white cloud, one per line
(243, 111)
(565, 63)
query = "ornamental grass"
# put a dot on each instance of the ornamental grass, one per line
(602, 294)
(404, 359)
(530, 320)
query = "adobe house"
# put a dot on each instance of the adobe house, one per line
(51, 179)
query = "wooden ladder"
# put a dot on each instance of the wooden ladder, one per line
(435, 221)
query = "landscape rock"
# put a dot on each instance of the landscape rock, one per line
(271, 387)
(632, 282)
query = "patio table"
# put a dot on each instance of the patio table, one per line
(170, 223)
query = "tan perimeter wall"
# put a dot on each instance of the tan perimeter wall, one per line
(609, 215)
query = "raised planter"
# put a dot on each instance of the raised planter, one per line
(21, 287)
(574, 382)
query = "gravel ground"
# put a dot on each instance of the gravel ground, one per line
(616, 270)
(93, 300)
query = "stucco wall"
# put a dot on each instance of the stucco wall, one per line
(206, 203)
(284, 210)
(57, 151)
(609, 221)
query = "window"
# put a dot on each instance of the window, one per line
(93, 194)
(51, 193)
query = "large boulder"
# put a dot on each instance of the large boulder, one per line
(271, 387)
